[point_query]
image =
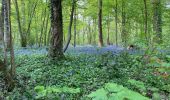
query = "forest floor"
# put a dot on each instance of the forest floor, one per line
(86, 69)
(71, 50)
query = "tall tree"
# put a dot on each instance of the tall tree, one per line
(124, 34)
(1, 28)
(108, 30)
(100, 23)
(146, 20)
(157, 20)
(23, 24)
(70, 25)
(8, 44)
(75, 24)
(116, 22)
(6, 12)
(56, 46)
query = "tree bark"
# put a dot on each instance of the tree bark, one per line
(1, 29)
(44, 14)
(116, 22)
(56, 46)
(124, 34)
(6, 24)
(89, 32)
(146, 20)
(8, 44)
(100, 23)
(157, 20)
(70, 26)
(108, 30)
(75, 24)
(46, 33)
(19, 22)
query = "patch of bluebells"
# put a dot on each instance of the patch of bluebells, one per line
(94, 49)
(30, 51)
(87, 49)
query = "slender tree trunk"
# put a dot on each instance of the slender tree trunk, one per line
(84, 35)
(78, 38)
(1, 25)
(32, 14)
(89, 33)
(6, 24)
(70, 26)
(19, 22)
(146, 20)
(95, 30)
(100, 23)
(49, 35)
(108, 31)
(9, 73)
(23, 23)
(45, 32)
(56, 46)
(84, 32)
(116, 22)
(157, 20)
(43, 27)
(124, 34)
(75, 23)
(36, 34)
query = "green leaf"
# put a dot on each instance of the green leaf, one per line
(100, 94)
(114, 91)
(39, 89)
(70, 90)
(112, 87)
(138, 84)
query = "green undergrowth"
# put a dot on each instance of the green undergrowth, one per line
(77, 76)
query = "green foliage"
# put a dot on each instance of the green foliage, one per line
(140, 86)
(156, 96)
(166, 88)
(113, 91)
(47, 92)
(88, 72)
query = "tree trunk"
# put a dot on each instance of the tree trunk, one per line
(70, 26)
(1, 29)
(46, 33)
(157, 20)
(108, 30)
(56, 46)
(84, 35)
(95, 30)
(44, 14)
(100, 24)
(19, 24)
(89, 33)
(116, 22)
(8, 72)
(146, 20)
(32, 14)
(6, 24)
(23, 23)
(75, 23)
(124, 34)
